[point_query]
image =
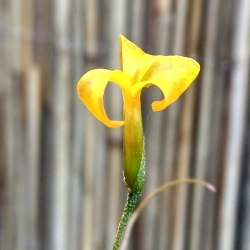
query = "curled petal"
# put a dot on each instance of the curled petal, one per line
(172, 74)
(90, 89)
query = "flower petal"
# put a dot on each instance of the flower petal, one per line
(90, 89)
(133, 61)
(172, 74)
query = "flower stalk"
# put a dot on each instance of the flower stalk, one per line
(132, 199)
(171, 74)
(132, 143)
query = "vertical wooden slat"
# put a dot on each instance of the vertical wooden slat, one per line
(14, 233)
(237, 109)
(33, 148)
(77, 131)
(152, 148)
(184, 123)
(135, 18)
(162, 131)
(116, 188)
(31, 134)
(202, 149)
(157, 42)
(91, 131)
(243, 228)
(7, 187)
(60, 101)
(223, 48)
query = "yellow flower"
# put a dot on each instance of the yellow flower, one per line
(172, 74)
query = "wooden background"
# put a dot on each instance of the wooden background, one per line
(61, 182)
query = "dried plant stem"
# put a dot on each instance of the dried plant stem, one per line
(138, 210)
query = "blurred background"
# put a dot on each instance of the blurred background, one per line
(61, 185)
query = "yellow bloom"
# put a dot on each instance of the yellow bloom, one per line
(172, 74)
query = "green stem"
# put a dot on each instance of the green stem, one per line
(132, 199)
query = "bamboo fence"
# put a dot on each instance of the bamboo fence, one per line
(61, 182)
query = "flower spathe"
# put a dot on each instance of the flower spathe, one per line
(172, 74)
